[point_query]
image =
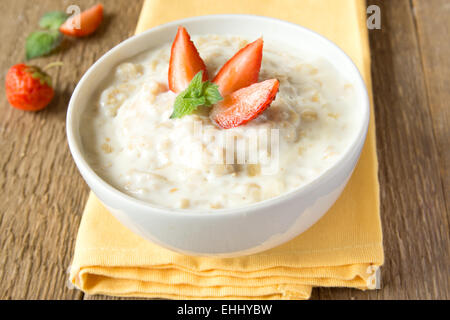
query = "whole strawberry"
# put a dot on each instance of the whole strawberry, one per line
(28, 87)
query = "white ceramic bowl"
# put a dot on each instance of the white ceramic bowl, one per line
(225, 232)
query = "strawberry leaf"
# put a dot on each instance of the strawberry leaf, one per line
(37, 73)
(53, 20)
(40, 43)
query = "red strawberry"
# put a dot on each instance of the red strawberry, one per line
(28, 87)
(89, 20)
(185, 62)
(241, 70)
(244, 104)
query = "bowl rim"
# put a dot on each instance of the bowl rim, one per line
(88, 173)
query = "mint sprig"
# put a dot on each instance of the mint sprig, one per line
(40, 43)
(198, 93)
(53, 20)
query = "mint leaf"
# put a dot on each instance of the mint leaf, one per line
(197, 94)
(53, 20)
(184, 106)
(40, 43)
(211, 93)
(196, 84)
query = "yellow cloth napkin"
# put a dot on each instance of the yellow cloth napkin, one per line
(343, 249)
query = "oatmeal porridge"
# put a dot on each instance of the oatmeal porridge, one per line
(132, 142)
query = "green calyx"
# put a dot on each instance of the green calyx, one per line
(37, 73)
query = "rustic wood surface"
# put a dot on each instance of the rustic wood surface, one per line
(42, 194)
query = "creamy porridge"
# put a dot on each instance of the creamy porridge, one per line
(190, 163)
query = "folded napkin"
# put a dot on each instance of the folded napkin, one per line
(343, 249)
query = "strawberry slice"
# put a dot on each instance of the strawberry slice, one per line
(244, 104)
(88, 20)
(241, 70)
(185, 62)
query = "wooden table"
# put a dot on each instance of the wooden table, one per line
(42, 194)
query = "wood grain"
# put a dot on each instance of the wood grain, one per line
(42, 194)
(433, 31)
(411, 173)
